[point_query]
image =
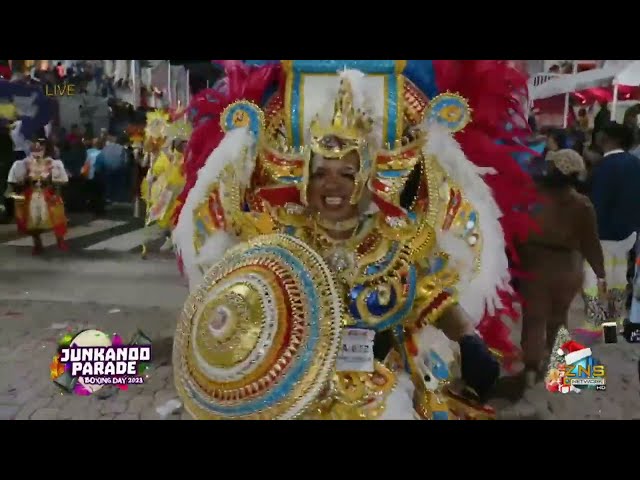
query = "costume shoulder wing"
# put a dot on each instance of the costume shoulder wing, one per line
(58, 172)
(18, 172)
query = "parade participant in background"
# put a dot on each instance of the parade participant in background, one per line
(169, 179)
(154, 154)
(35, 183)
(364, 218)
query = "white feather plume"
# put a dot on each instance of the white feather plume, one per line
(319, 100)
(363, 95)
(358, 87)
(479, 294)
(230, 150)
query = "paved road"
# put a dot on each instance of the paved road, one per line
(621, 400)
(118, 292)
(28, 333)
(41, 297)
(116, 232)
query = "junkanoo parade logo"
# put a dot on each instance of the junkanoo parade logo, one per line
(89, 360)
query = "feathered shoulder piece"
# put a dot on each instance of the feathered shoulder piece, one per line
(242, 82)
(497, 93)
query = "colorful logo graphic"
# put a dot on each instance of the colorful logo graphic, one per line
(573, 368)
(90, 359)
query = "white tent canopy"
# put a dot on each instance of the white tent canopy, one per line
(614, 72)
(626, 72)
(629, 75)
(574, 83)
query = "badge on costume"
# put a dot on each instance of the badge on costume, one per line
(356, 351)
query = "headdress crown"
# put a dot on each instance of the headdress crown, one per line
(347, 130)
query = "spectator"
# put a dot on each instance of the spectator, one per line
(7, 156)
(556, 140)
(583, 120)
(602, 118)
(114, 159)
(95, 172)
(75, 136)
(60, 71)
(616, 196)
(553, 257)
(73, 157)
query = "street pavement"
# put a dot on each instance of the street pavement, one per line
(115, 232)
(117, 291)
(48, 296)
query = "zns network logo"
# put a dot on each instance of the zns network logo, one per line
(573, 368)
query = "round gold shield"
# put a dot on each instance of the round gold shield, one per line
(258, 340)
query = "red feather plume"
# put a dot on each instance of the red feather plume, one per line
(496, 92)
(243, 82)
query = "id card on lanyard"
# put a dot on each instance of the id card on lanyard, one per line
(356, 351)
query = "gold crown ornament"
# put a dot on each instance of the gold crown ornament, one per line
(347, 132)
(348, 129)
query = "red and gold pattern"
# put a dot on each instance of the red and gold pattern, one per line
(259, 339)
(56, 221)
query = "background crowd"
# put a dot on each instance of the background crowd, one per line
(589, 210)
(101, 168)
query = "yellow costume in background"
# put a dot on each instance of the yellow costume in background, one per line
(168, 179)
(164, 180)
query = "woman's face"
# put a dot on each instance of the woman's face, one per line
(331, 186)
(37, 150)
(552, 145)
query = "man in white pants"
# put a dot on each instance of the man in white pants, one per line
(616, 196)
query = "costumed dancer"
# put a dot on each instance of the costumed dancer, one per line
(34, 185)
(361, 201)
(171, 178)
(154, 161)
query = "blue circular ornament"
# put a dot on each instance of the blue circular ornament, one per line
(450, 110)
(242, 114)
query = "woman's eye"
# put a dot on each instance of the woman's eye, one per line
(349, 175)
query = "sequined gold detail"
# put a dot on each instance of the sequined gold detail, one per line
(259, 339)
(355, 396)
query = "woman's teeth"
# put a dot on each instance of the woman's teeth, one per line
(333, 201)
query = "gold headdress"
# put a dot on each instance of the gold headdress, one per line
(346, 133)
(349, 125)
(389, 149)
(157, 123)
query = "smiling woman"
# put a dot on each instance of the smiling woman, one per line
(344, 209)
(332, 185)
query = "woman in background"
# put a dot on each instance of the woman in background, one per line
(553, 258)
(35, 183)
